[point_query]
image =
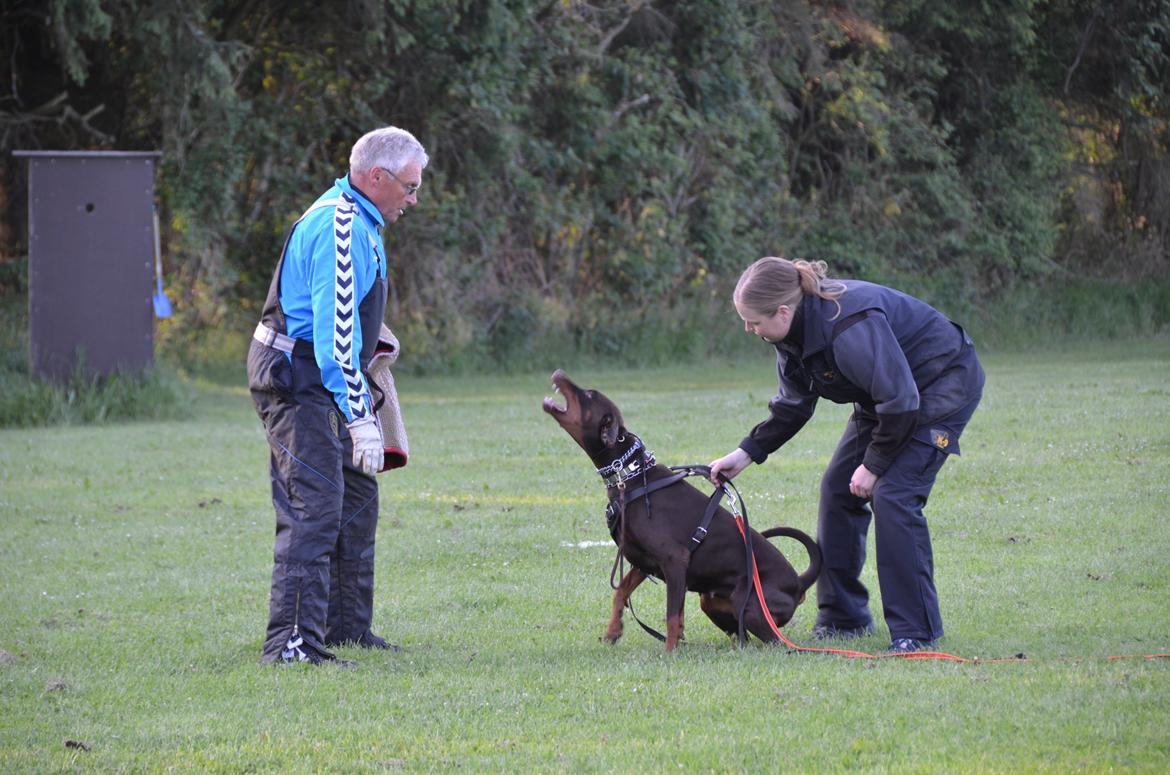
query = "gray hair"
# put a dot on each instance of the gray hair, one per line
(389, 147)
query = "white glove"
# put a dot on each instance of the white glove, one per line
(368, 449)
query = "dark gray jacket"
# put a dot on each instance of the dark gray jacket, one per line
(899, 360)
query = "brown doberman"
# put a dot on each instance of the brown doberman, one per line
(659, 530)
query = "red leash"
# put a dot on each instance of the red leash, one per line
(938, 655)
(840, 652)
(729, 491)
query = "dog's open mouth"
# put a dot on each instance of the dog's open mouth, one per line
(562, 387)
(550, 404)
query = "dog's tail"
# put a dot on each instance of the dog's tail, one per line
(814, 553)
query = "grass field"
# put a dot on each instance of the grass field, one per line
(135, 565)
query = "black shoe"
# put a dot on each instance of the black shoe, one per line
(369, 640)
(910, 645)
(828, 631)
(296, 650)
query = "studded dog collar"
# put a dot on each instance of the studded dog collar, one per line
(629, 465)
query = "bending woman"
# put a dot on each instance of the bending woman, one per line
(914, 381)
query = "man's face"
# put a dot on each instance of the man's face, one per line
(393, 192)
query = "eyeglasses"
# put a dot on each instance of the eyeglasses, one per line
(411, 190)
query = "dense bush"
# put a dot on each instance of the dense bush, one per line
(601, 172)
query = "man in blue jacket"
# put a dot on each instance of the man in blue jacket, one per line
(315, 338)
(914, 381)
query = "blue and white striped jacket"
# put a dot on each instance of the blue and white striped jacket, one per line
(334, 257)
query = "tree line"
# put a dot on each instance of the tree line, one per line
(602, 170)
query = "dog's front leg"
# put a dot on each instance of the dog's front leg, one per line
(676, 596)
(621, 596)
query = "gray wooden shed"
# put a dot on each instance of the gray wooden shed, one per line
(90, 257)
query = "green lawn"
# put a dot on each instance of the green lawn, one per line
(135, 564)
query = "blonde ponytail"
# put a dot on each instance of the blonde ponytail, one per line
(771, 283)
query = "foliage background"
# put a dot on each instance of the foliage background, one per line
(602, 171)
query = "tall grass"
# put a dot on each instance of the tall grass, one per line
(1071, 312)
(135, 579)
(86, 399)
(83, 398)
(1057, 314)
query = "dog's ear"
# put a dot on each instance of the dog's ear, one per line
(609, 430)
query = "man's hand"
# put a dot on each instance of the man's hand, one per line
(368, 448)
(862, 482)
(729, 465)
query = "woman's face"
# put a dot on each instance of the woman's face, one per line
(771, 328)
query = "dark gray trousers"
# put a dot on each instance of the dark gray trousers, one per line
(905, 561)
(326, 518)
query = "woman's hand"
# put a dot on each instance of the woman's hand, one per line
(862, 482)
(729, 465)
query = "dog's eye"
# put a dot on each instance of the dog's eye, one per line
(589, 394)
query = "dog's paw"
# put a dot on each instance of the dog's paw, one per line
(611, 636)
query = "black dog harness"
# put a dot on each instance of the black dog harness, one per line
(616, 506)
